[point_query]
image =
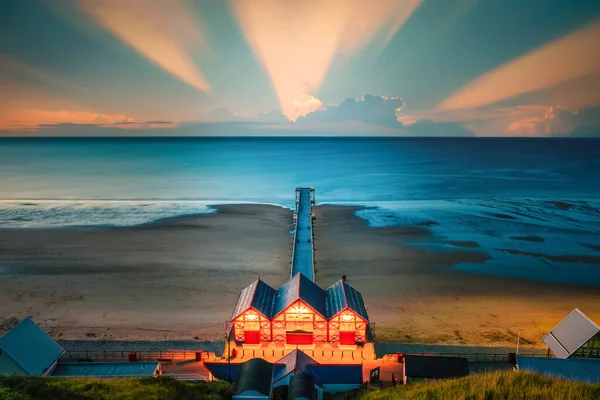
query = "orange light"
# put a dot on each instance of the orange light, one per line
(251, 317)
(299, 310)
(347, 317)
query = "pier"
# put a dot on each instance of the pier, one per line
(302, 249)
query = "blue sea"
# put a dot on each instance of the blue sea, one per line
(533, 205)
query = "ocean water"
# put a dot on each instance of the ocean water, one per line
(533, 205)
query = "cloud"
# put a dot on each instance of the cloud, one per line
(570, 58)
(296, 41)
(163, 31)
(15, 120)
(222, 114)
(273, 116)
(559, 121)
(32, 118)
(305, 104)
(428, 128)
(373, 110)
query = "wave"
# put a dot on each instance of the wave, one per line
(99, 213)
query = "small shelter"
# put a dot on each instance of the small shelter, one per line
(328, 378)
(575, 369)
(254, 380)
(107, 370)
(423, 367)
(302, 387)
(574, 336)
(27, 349)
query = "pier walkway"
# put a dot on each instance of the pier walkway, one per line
(302, 250)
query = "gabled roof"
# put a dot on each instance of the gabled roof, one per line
(570, 334)
(30, 347)
(297, 361)
(254, 375)
(435, 367)
(340, 296)
(299, 287)
(302, 386)
(576, 369)
(259, 296)
(223, 371)
(106, 369)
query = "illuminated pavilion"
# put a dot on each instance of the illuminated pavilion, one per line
(300, 313)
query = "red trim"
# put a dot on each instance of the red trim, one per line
(303, 302)
(251, 308)
(347, 338)
(353, 312)
(252, 337)
(299, 338)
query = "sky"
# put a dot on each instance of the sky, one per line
(313, 67)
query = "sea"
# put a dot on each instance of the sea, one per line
(531, 204)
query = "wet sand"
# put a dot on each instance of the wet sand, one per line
(417, 297)
(180, 279)
(174, 279)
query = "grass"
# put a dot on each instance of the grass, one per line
(161, 388)
(506, 385)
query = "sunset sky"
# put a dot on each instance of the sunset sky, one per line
(313, 67)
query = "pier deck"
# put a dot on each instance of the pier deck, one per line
(303, 252)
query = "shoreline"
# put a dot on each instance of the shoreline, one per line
(177, 277)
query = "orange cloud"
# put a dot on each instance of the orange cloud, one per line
(163, 31)
(296, 41)
(556, 120)
(23, 118)
(306, 103)
(572, 57)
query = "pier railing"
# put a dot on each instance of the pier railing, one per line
(473, 357)
(303, 195)
(92, 355)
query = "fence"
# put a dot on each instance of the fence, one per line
(140, 355)
(188, 377)
(473, 357)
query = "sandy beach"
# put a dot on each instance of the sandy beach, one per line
(180, 278)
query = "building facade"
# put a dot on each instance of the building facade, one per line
(300, 313)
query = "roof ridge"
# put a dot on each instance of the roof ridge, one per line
(16, 359)
(560, 343)
(15, 326)
(586, 317)
(344, 291)
(254, 292)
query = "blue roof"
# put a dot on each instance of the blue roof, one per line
(337, 374)
(295, 361)
(259, 296)
(255, 375)
(107, 369)
(30, 347)
(341, 295)
(299, 287)
(576, 369)
(219, 370)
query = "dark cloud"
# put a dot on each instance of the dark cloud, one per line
(372, 110)
(274, 116)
